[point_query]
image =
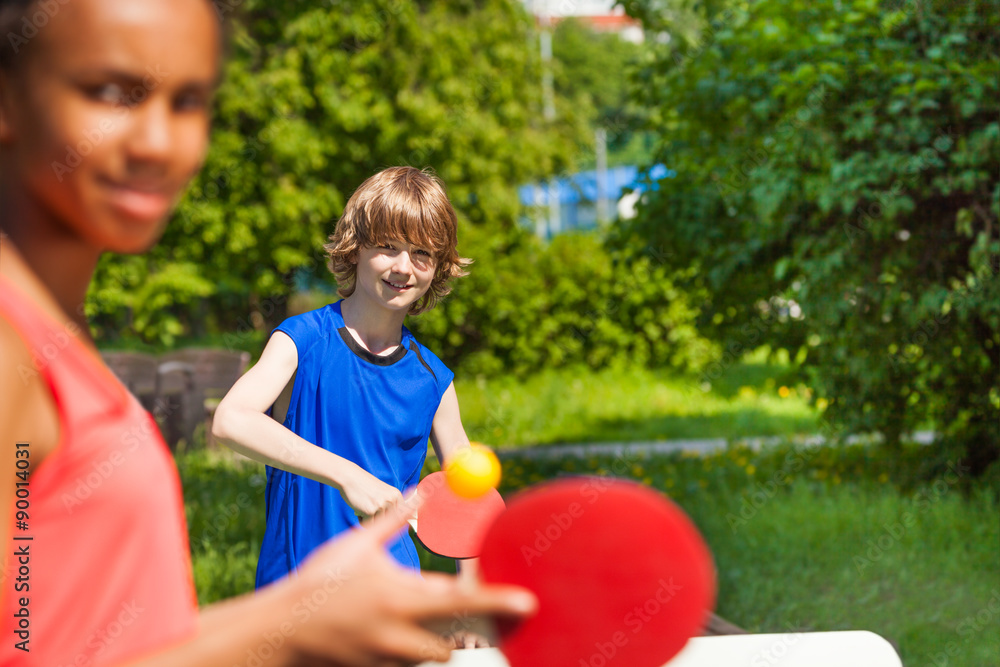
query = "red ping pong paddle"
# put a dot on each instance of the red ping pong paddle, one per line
(449, 525)
(622, 576)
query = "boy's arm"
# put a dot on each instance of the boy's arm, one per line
(241, 423)
(447, 433)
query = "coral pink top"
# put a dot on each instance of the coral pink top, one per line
(107, 573)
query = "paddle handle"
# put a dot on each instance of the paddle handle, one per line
(412, 522)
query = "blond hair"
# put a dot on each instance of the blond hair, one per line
(398, 204)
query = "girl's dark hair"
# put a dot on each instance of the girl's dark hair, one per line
(16, 29)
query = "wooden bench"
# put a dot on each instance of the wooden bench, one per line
(719, 627)
(196, 379)
(138, 372)
(181, 388)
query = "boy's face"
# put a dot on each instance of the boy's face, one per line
(396, 274)
(106, 115)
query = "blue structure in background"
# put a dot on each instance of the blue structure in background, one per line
(578, 193)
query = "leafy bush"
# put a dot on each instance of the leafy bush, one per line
(316, 98)
(838, 194)
(529, 306)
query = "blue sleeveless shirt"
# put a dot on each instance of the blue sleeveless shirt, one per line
(373, 410)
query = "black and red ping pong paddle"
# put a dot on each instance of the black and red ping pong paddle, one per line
(449, 525)
(622, 576)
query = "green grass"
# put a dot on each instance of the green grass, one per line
(850, 539)
(581, 405)
(224, 503)
(634, 404)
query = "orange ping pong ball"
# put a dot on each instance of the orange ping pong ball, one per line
(473, 471)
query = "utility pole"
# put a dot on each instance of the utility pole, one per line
(545, 42)
(601, 142)
(549, 106)
(541, 223)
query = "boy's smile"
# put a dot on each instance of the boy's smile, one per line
(395, 274)
(399, 287)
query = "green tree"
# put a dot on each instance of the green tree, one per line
(316, 98)
(591, 75)
(837, 192)
(570, 302)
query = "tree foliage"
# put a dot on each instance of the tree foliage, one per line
(837, 192)
(316, 98)
(591, 73)
(572, 302)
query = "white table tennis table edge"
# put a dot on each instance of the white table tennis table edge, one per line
(853, 648)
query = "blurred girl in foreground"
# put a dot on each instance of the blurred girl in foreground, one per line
(104, 118)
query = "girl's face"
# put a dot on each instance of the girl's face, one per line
(395, 275)
(105, 115)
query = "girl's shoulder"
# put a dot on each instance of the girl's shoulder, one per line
(29, 407)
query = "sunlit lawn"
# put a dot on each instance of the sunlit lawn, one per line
(822, 551)
(634, 404)
(852, 542)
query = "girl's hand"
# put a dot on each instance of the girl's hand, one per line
(367, 495)
(466, 639)
(364, 609)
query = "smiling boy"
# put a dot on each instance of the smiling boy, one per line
(353, 395)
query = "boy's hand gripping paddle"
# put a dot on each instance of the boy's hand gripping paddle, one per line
(449, 525)
(622, 576)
